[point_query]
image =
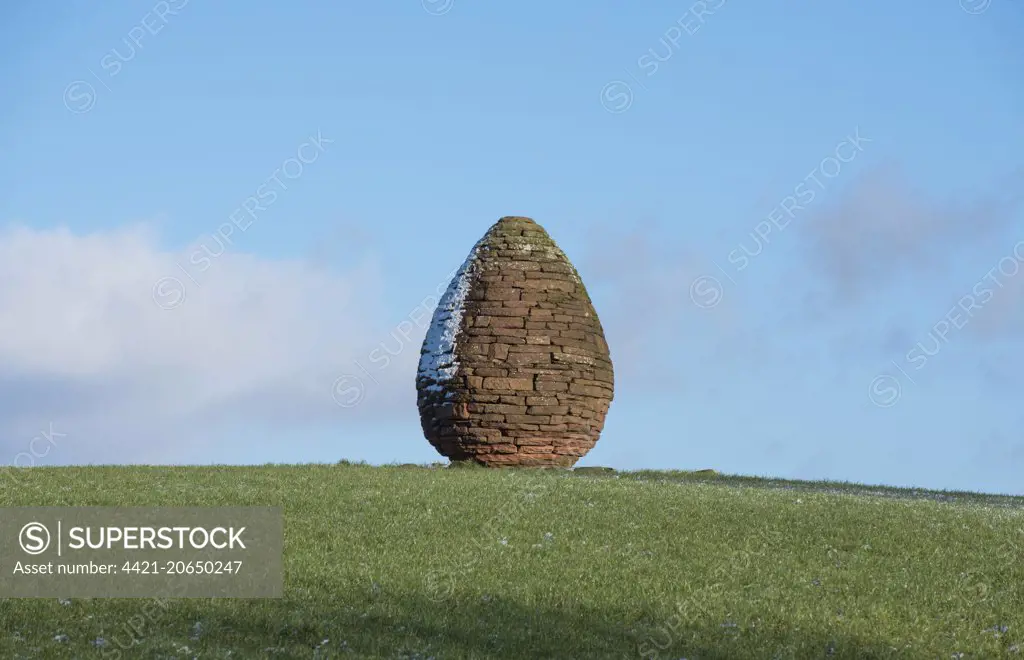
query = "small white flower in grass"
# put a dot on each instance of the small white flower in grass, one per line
(503, 541)
(61, 638)
(99, 642)
(548, 536)
(64, 601)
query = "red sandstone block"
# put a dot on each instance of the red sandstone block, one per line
(547, 410)
(519, 427)
(549, 275)
(562, 341)
(521, 265)
(482, 435)
(503, 408)
(536, 449)
(547, 285)
(502, 321)
(556, 267)
(503, 311)
(494, 383)
(529, 347)
(509, 332)
(500, 293)
(528, 419)
(528, 359)
(526, 441)
(588, 390)
(594, 383)
(570, 358)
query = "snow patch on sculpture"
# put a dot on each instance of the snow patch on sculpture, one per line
(438, 362)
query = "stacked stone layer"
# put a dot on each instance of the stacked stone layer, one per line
(515, 369)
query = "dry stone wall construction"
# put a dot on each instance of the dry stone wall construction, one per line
(515, 370)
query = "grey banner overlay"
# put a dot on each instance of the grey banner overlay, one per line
(141, 552)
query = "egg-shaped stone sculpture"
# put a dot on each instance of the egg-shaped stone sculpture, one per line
(514, 369)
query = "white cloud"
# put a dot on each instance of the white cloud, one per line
(84, 345)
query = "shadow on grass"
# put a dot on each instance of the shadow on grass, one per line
(411, 626)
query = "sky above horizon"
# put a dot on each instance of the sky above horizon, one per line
(224, 225)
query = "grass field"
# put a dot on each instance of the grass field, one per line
(417, 562)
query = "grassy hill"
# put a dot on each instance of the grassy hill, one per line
(417, 562)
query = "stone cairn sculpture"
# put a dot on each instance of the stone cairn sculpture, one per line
(514, 369)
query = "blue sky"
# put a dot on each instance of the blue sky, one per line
(379, 141)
